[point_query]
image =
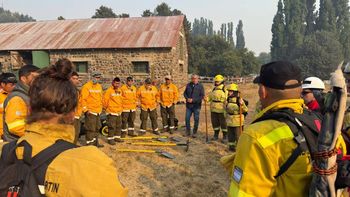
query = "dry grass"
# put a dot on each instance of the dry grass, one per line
(193, 173)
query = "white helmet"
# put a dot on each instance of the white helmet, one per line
(313, 83)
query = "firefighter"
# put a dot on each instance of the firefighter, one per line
(17, 102)
(169, 95)
(312, 93)
(217, 99)
(236, 109)
(148, 96)
(79, 110)
(129, 104)
(112, 103)
(267, 153)
(7, 83)
(82, 171)
(91, 96)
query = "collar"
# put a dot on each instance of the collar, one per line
(297, 105)
(51, 131)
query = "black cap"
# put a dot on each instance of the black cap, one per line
(276, 74)
(148, 81)
(8, 78)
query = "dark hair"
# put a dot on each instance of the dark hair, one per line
(26, 70)
(116, 79)
(129, 79)
(8, 78)
(52, 92)
(74, 73)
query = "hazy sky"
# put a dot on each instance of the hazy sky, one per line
(256, 15)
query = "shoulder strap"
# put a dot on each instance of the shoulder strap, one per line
(294, 122)
(6, 154)
(41, 161)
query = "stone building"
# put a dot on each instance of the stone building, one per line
(138, 47)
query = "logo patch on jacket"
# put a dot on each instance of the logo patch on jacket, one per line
(237, 174)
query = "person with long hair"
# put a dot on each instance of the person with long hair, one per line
(80, 171)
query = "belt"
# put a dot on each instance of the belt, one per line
(114, 114)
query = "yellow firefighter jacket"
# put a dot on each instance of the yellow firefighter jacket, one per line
(262, 148)
(112, 101)
(233, 116)
(79, 109)
(149, 97)
(3, 96)
(129, 98)
(217, 99)
(169, 95)
(84, 171)
(91, 95)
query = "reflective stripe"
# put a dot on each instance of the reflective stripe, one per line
(116, 137)
(166, 126)
(114, 114)
(95, 114)
(224, 130)
(142, 130)
(76, 117)
(217, 129)
(131, 110)
(172, 127)
(235, 191)
(41, 189)
(15, 124)
(90, 141)
(131, 129)
(110, 138)
(156, 129)
(275, 135)
(124, 130)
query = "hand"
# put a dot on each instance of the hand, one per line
(189, 100)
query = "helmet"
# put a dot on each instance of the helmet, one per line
(347, 68)
(219, 78)
(313, 83)
(232, 87)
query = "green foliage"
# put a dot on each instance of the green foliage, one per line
(7, 16)
(264, 58)
(106, 12)
(278, 26)
(163, 9)
(60, 18)
(321, 53)
(240, 43)
(147, 13)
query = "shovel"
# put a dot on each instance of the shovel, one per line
(161, 138)
(160, 152)
(186, 144)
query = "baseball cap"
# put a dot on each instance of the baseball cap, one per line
(96, 74)
(168, 77)
(276, 74)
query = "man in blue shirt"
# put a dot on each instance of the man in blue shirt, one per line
(194, 94)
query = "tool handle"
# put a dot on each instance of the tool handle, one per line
(136, 151)
(206, 121)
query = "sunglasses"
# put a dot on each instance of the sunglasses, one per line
(305, 92)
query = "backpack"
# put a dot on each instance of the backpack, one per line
(26, 177)
(305, 128)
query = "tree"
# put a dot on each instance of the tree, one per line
(163, 9)
(7, 16)
(147, 13)
(278, 27)
(123, 15)
(104, 12)
(326, 19)
(264, 58)
(342, 15)
(61, 18)
(240, 42)
(310, 17)
(322, 52)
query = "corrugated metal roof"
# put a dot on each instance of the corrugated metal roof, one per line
(146, 32)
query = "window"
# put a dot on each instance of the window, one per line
(140, 67)
(181, 48)
(181, 68)
(81, 67)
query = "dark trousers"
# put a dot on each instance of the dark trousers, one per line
(128, 119)
(233, 135)
(195, 111)
(77, 126)
(218, 121)
(168, 115)
(153, 116)
(114, 125)
(92, 125)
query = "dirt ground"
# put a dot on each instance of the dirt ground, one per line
(193, 173)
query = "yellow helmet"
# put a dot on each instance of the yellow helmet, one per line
(232, 87)
(219, 78)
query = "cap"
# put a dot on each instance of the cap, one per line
(276, 74)
(96, 74)
(8, 78)
(148, 81)
(168, 77)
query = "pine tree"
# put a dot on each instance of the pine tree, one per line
(342, 15)
(278, 26)
(240, 42)
(310, 17)
(326, 19)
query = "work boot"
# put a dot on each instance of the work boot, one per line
(111, 142)
(232, 148)
(194, 135)
(171, 131)
(141, 133)
(224, 138)
(132, 133)
(117, 139)
(187, 133)
(216, 136)
(90, 143)
(98, 145)
(123, 135)
(156, 132)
